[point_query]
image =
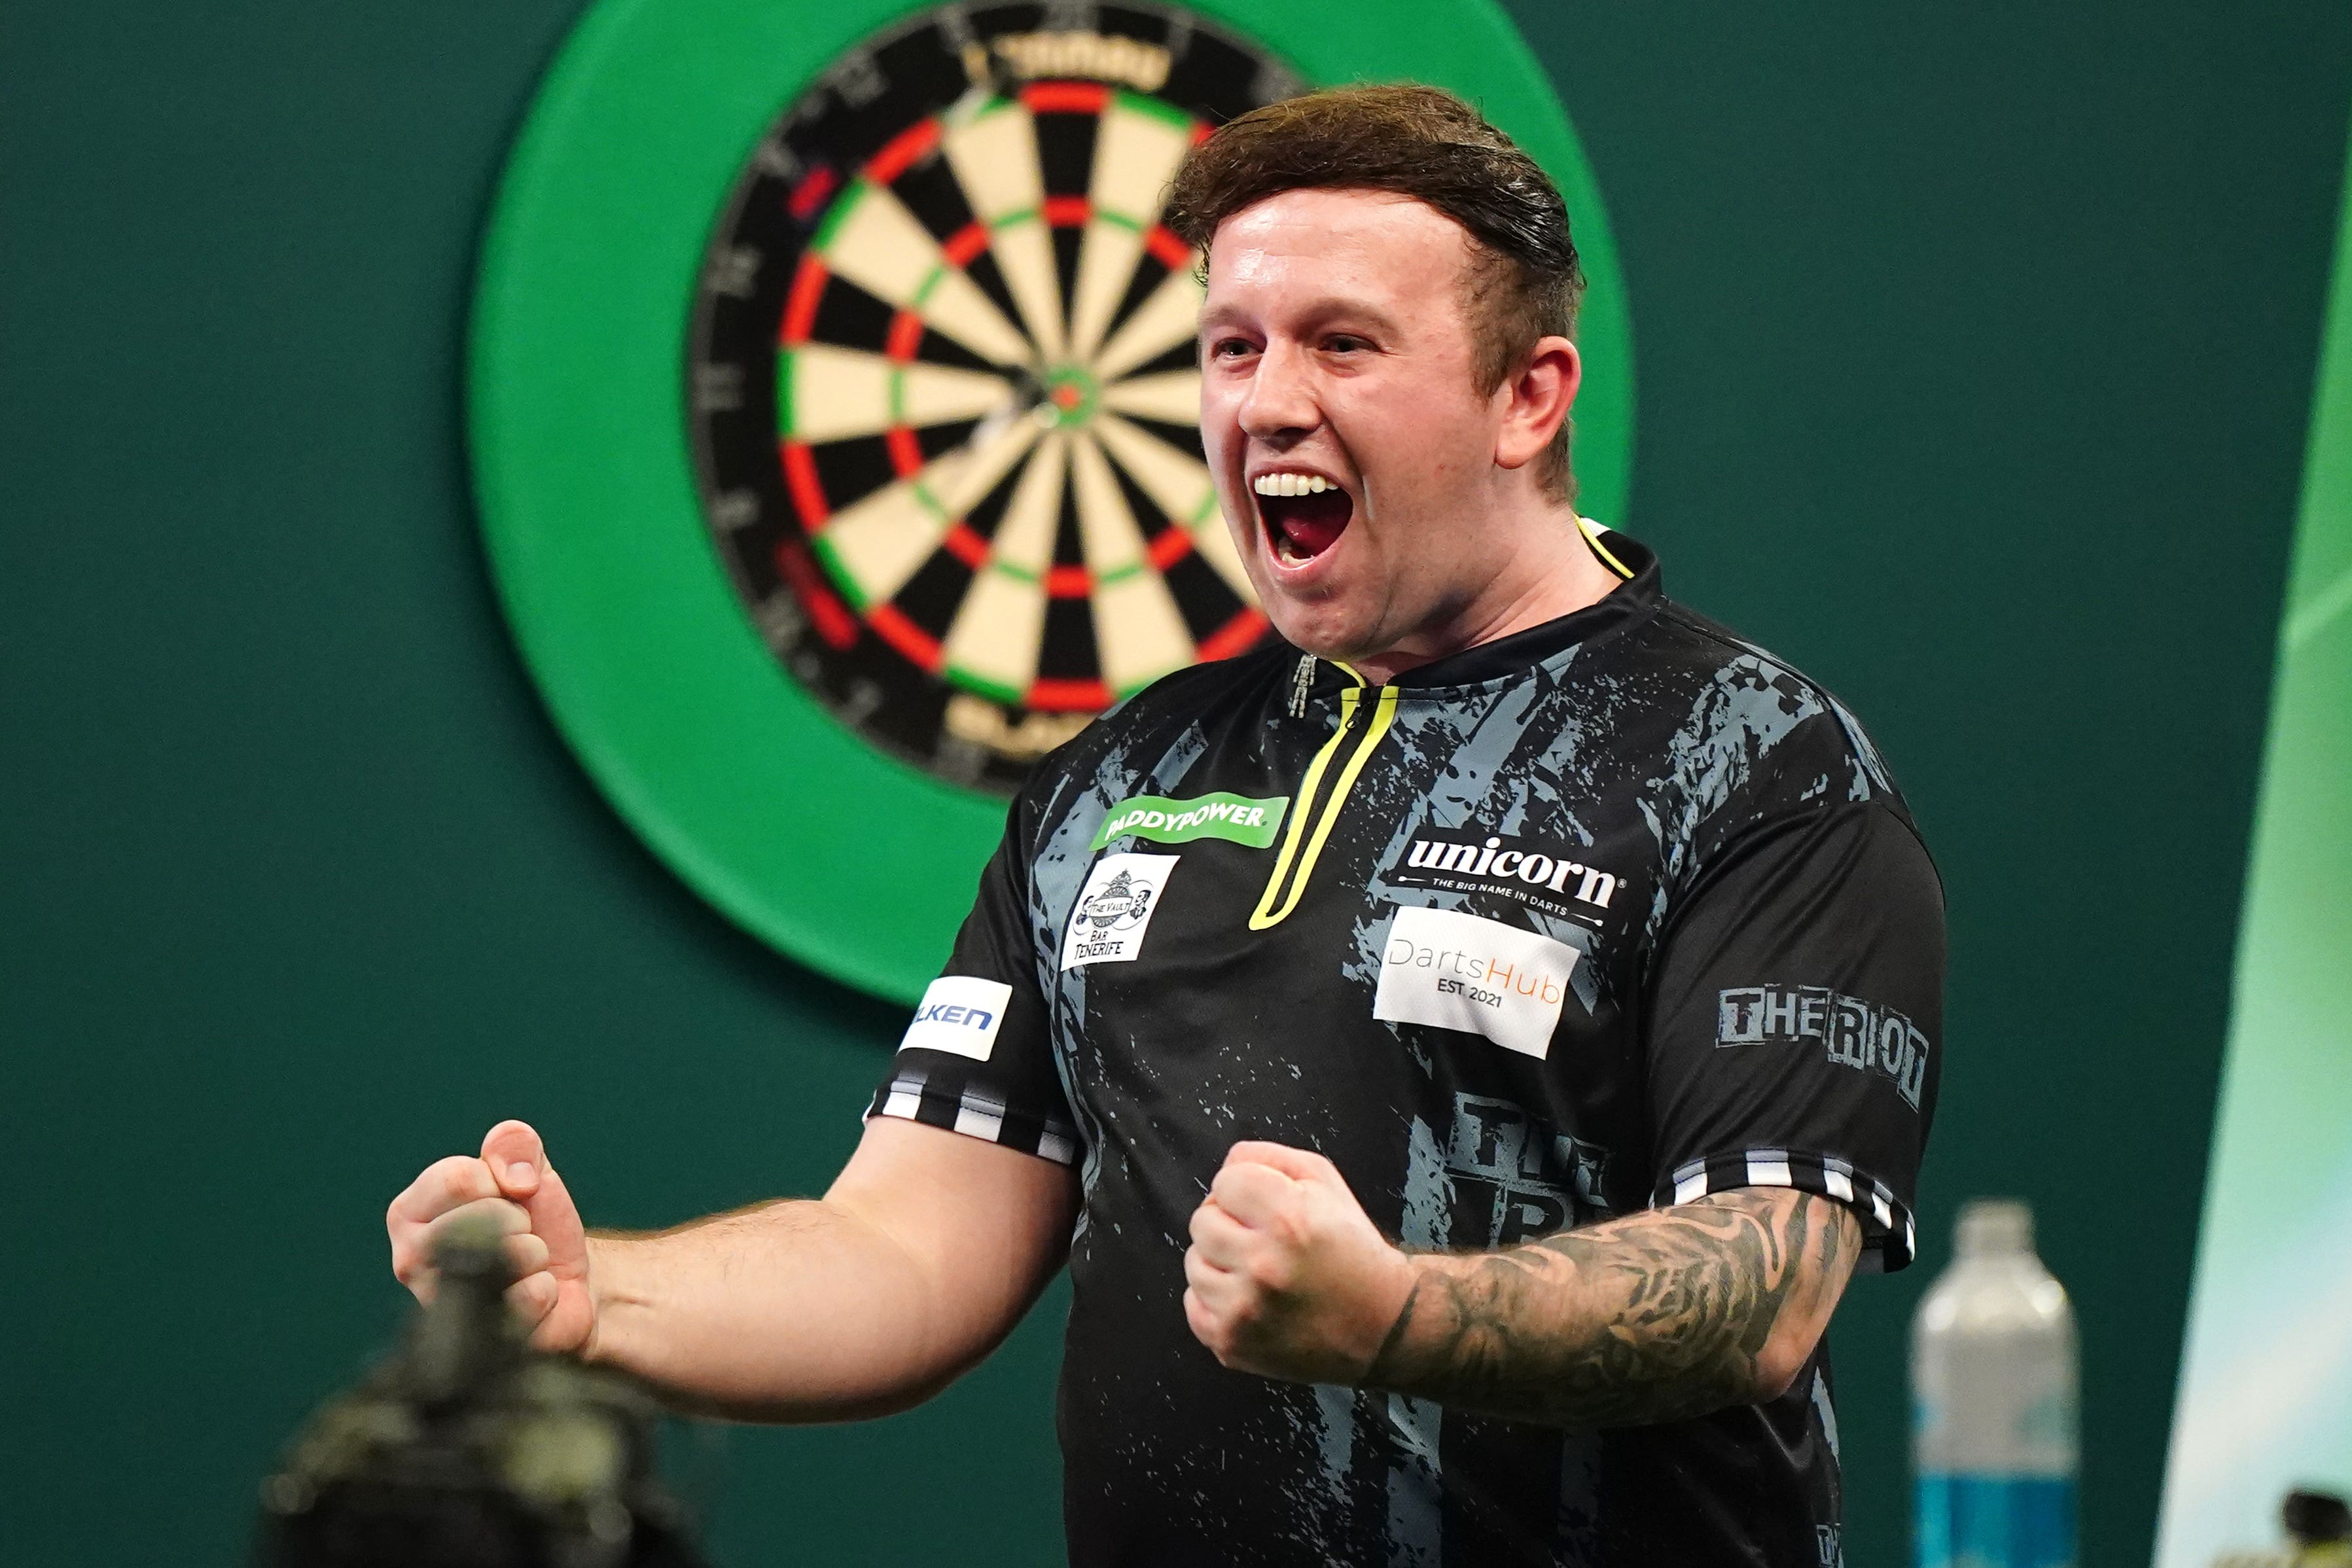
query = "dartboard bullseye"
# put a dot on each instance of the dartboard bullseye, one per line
(942, 380)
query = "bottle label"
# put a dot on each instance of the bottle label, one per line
(1975, 1520)
(1994, 1405)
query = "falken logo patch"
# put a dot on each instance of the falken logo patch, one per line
(960, 1013)
(1464, 972)
(1219, 816)
(1473, 862)
(1115, 909)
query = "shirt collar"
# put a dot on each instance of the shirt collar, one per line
(1523, 650)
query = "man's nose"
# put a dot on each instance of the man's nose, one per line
(1280, 401)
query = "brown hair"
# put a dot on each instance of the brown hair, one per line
(1523, 282)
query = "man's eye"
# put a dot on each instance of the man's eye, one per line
(1345, 343)
(1229, 348)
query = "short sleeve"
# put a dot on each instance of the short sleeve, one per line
(1796, 1020)
(977, 1056)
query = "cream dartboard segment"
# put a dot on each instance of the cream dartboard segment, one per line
(961, 488)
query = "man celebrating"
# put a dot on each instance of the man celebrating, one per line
(1462, 1054)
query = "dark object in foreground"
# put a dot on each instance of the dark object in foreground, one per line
(2316, 1518)
(467, 1449)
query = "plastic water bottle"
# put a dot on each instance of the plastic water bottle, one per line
(1993, 1385)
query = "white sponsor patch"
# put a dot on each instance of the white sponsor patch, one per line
(1464, 972)
(961, 1013)
(1115, 909)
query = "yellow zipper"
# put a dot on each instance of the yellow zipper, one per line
(1382, 713)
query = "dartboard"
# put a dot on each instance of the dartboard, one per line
(832, 410)
(944, 392)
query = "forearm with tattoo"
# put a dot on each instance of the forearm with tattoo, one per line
(1656, 1317)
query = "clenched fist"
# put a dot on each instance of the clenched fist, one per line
(1287, 1276)
(512, 1183)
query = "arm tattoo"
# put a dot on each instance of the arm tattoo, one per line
(1659, 1316)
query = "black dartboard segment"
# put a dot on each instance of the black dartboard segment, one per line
(942, 385)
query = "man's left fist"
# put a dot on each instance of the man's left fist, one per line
(1287, 1276)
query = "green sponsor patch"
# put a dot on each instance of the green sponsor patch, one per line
(1219, 816)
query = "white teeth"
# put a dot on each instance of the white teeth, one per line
(1291, 484)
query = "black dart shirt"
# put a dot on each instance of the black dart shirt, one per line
(1610, 913)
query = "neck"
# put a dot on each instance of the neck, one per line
(1549, 571)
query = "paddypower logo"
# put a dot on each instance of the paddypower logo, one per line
(1219, 816)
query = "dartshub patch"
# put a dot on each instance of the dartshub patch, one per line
(1219, 815)
(1463, 972)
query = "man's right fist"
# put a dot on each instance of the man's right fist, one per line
(512, 1183)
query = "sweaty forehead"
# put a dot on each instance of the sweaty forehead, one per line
(1301, 246)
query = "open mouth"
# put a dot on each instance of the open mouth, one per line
(1304, 514)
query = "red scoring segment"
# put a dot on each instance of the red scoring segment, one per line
(800, 305)
(1066, 97)
(1067, 695)
(965, 243)
(902, 152)
(808, 493)
(831, 617)
(1172, 253)
(906, 452)
(807, 198)
(966, 546)
(1236, 635)
(915, 645)
(906, 336)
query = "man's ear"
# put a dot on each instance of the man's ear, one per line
(1538, 396)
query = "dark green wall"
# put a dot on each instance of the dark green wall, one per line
(1975, 357)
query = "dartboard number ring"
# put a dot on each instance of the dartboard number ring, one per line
(943, 388)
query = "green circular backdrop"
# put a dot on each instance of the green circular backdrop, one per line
(846, 860)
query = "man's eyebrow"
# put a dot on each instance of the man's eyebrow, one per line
(1363, 311)
(1317, 312)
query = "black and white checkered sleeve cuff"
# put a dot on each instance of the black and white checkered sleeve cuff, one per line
(1889, 1239)
(975, 1115)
